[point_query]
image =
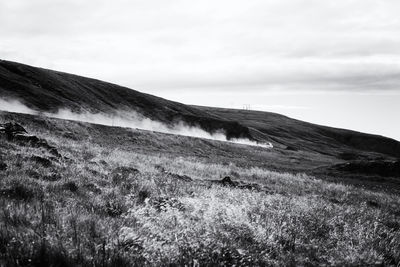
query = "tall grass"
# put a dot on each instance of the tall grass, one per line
(94, 214)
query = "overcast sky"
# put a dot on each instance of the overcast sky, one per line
(333, 62)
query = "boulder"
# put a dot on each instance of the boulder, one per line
(3, 166)
(42, 161)
(184, 178)
(292, 148)
(12, 128)
(122, 173)
(227, 181)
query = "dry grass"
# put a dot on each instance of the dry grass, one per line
(85, 211)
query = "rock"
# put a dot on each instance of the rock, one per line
(372, 203)
(52, 177)
(160, 168)
(252, 186)
(12, 128)
(70, 135)
(184, 178)
(42, 161)
(165, 203)
(54, 152)
(130, 240)
(122, 173)
(93, 188)
(33, 174)
(227, 181)
(15, 132)
(334, 200)
(3, 166)
(292, 148)
(103, 162)
(71, 186)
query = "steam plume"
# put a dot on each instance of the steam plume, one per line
(129, 119)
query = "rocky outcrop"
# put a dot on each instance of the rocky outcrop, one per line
(11, 129)
(172, 175)
(227, 181)
(16, 133)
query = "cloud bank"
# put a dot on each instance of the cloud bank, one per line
(129, 119)
(229, 44)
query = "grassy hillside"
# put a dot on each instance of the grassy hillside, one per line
(115, 197)
(303, 135)
(48, 90)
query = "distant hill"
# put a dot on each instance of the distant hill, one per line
(48, 90)
(303, 135)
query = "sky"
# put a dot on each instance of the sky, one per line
(332, 62)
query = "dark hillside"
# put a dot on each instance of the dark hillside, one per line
(47, 90)
(307, 136)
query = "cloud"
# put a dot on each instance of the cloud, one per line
(233, 45)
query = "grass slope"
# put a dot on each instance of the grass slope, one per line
(308, 136)
(113, 199)
(48, 90)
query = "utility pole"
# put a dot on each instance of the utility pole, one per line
(246, 106)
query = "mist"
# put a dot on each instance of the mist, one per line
(129, 119)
